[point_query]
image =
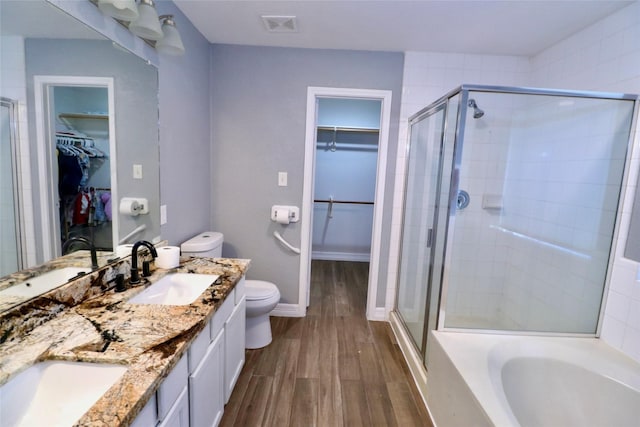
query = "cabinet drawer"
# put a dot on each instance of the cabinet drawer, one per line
(222, 314)
(178, 416)
(199, 347)
(149, 414)
(206, 392)
(172, 386)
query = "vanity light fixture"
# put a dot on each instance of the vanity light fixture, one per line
(124, 10)
(171, 43)
(143, 21)
(147, 24)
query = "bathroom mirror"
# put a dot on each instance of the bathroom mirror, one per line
(41, 43)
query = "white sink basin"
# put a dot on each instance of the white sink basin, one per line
(175, 289)
(55, 393)
(44, 282)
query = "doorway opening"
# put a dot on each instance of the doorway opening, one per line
(345, 165)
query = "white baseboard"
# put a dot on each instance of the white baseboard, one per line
(340, 256)
(379, 314)
(288, 310)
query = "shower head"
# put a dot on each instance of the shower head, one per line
(477, 112)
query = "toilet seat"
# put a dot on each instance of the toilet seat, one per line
(259, 290)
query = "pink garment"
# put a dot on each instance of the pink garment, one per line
(106, 200)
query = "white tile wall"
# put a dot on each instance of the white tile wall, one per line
(602, 57)
(606, 57)
(12, 76)
(427, 77)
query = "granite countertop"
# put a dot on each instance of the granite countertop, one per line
(148, 339)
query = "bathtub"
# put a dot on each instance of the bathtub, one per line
(507, 380)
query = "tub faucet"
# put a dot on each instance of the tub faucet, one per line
(135, 276)
(86, 242)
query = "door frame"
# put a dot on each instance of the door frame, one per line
(313, 94)
(45, 127)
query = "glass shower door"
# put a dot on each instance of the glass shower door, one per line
(419, 226)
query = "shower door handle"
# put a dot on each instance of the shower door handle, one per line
(429, 237)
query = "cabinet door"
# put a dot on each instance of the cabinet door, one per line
(234, 347)
(206, 386)
(178, 415)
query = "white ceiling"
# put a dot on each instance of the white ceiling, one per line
(513, 27)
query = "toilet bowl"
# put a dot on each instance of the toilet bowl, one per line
(262, 297)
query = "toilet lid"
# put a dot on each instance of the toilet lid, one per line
(259, 289)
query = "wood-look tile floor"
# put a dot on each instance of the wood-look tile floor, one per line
(331, 368)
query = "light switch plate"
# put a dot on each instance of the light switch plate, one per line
(137, 171)
(163, 214)
(282, 179)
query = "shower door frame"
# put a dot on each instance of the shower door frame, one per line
(16, 172)
(464, 90)
(441, 105)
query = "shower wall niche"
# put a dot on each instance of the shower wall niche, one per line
(530, 252)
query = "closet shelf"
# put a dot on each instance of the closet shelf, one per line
(95, 125)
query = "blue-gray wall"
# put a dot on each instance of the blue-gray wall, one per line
(258, 116)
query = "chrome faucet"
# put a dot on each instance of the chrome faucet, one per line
(88, 244)
(135, 276)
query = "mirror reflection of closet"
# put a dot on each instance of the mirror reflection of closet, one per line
(83, 164)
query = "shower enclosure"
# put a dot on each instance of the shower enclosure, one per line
(510, 207)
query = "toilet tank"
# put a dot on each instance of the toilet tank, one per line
(207, 244)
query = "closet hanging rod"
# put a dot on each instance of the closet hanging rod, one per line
(347, 129)
(347, 202)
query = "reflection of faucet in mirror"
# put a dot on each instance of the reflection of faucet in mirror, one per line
(85, 242)
(135, 277)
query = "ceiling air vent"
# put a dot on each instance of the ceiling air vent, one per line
(280, 24)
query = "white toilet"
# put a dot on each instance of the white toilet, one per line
(262, 297)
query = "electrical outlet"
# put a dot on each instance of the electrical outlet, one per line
(137, 171)
(282, 179)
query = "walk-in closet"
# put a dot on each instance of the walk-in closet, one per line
(345, 179)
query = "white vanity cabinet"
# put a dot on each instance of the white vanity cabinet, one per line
(196, 390)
